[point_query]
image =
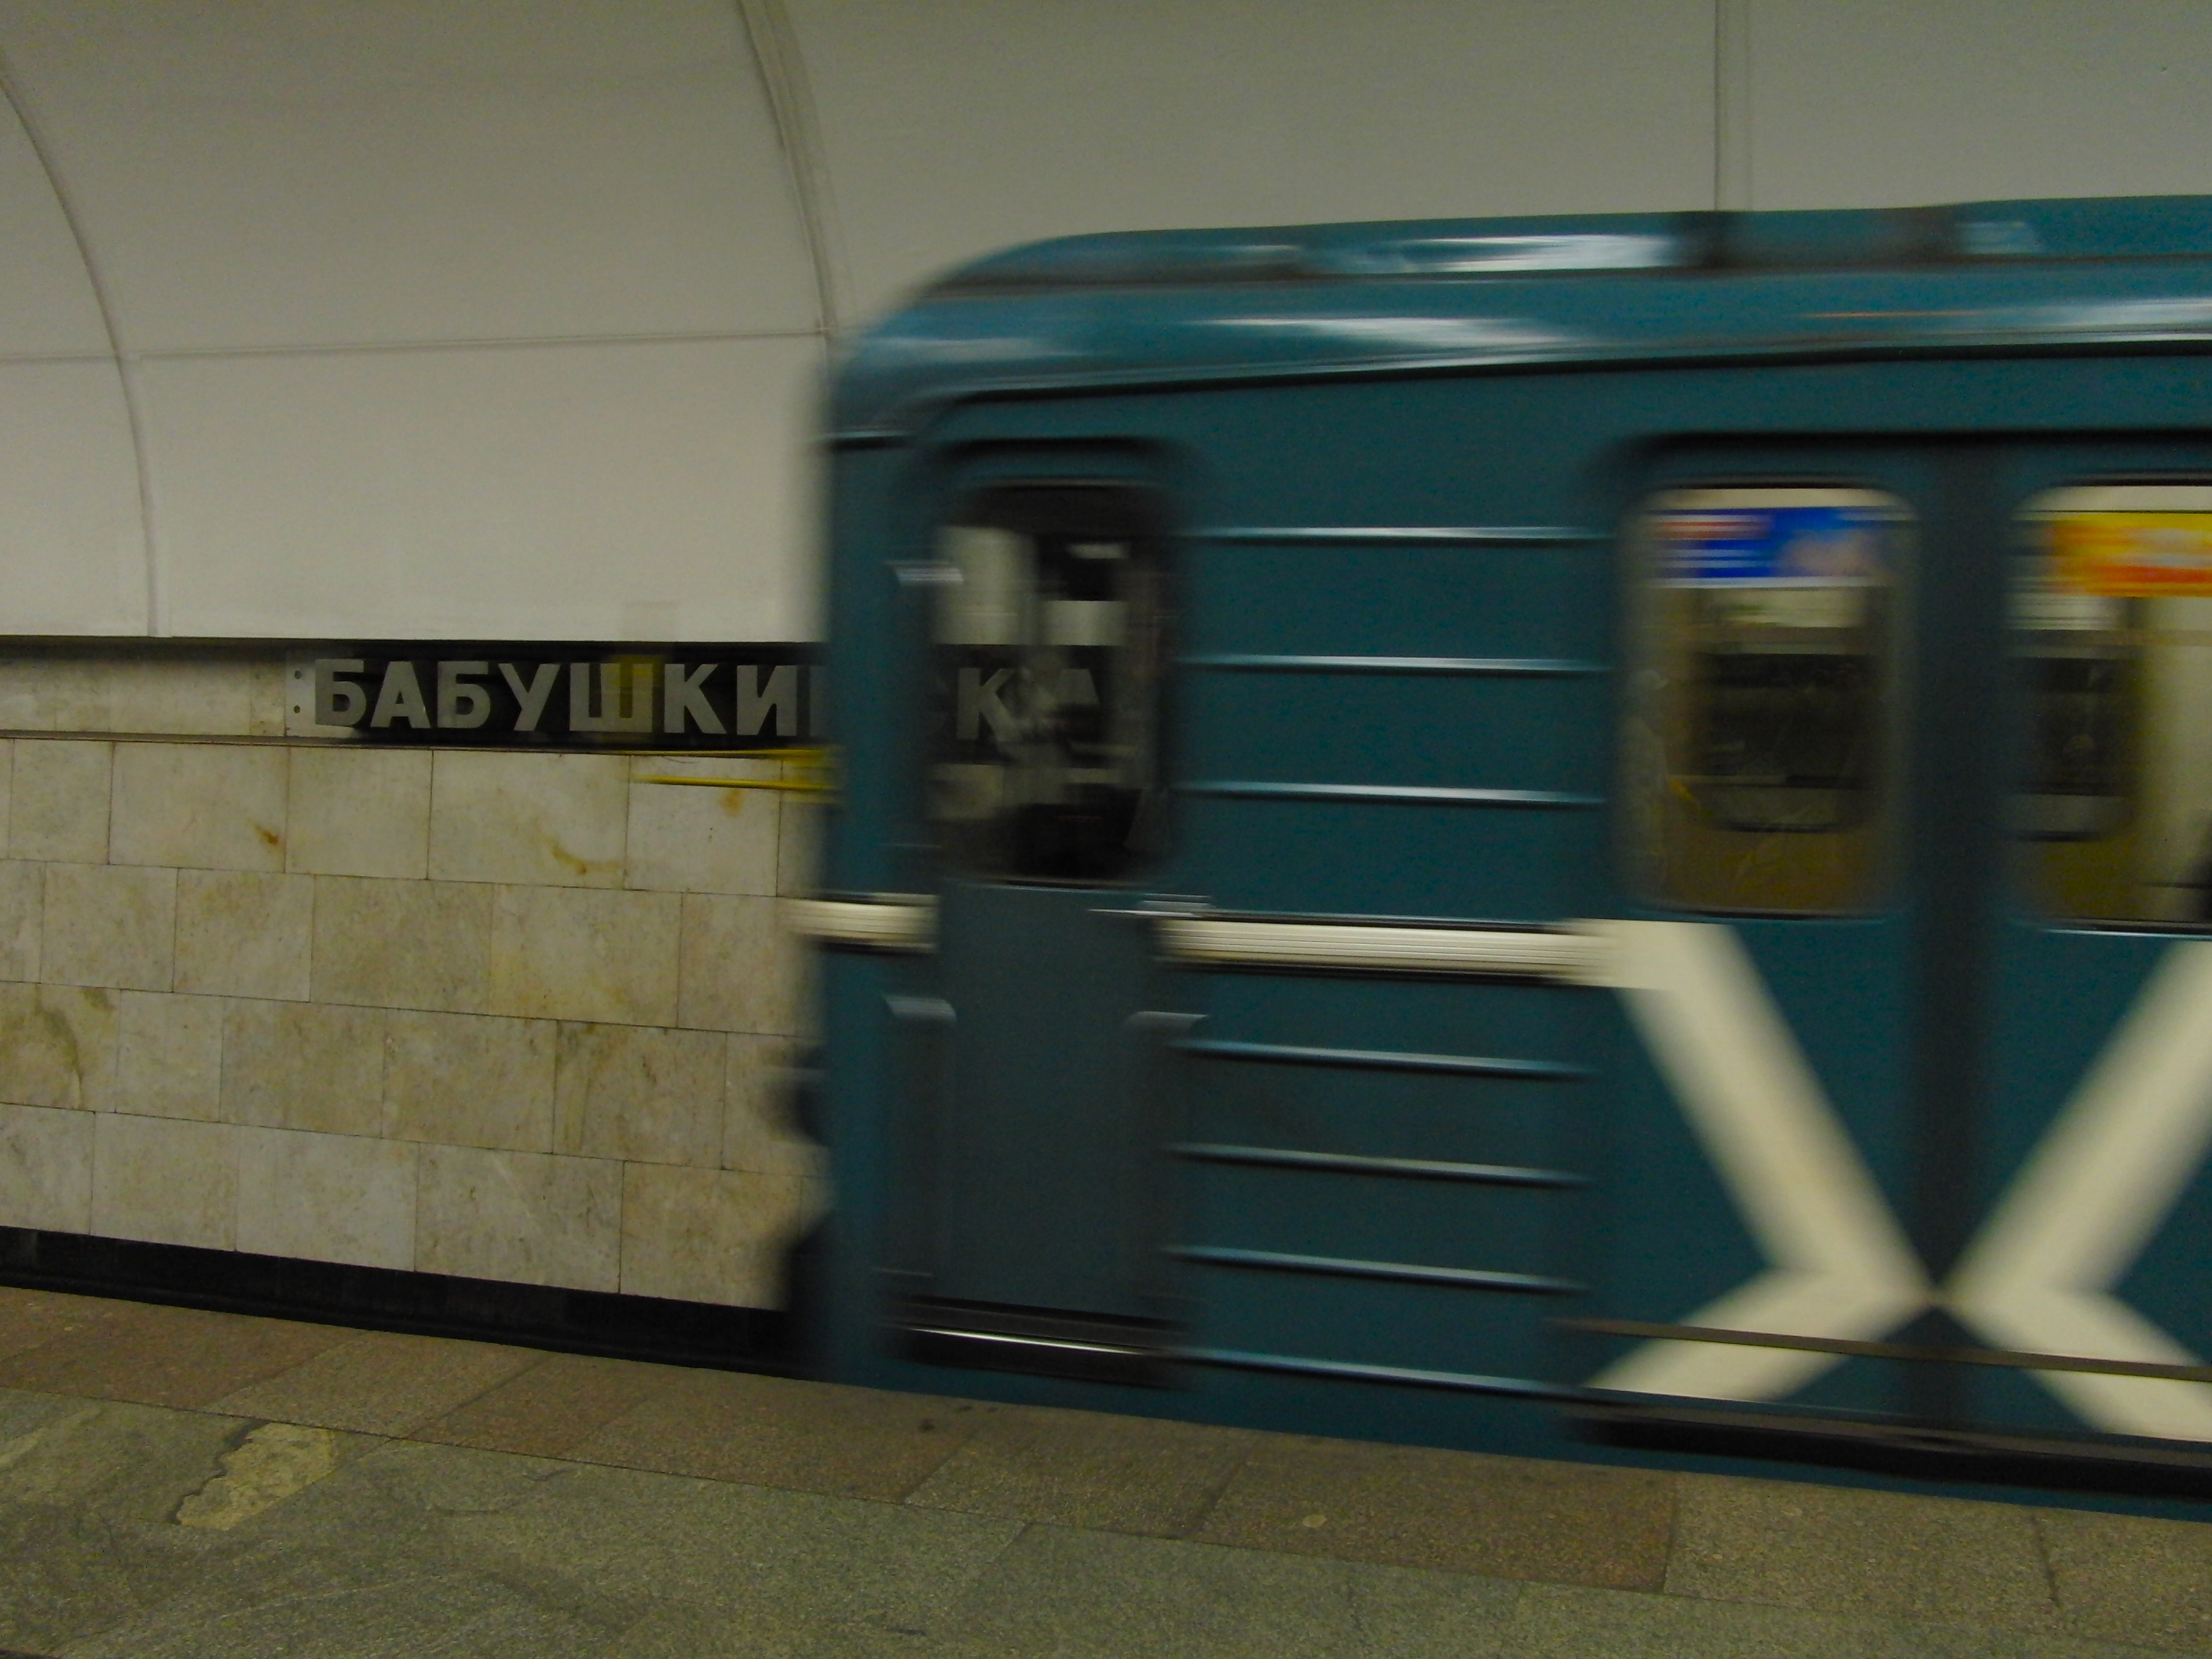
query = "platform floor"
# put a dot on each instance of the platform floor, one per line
(181, 1483)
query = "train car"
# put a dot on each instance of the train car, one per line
(1538, 835)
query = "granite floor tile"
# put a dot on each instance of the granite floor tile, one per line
(1089, 1470)
(29, 1318)
(157, 1356)
(742, 1550)
(379, 1382)
(813, 1437)
(1559, 1621)
(1835, 1549)
(67, 1578)
(2129, 1578)
(110, 1462)
(483, 1616)
(1076, 1595)
(1412, 1506)
(546, 1409)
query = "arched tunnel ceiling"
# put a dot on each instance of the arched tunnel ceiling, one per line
(458, 317)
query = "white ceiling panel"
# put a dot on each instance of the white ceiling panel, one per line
(326, 171)
(72, 553)
(1863, 103)
(951, 128)
(636, 490)
(46, 302)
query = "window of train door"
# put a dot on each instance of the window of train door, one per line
(1762, 748)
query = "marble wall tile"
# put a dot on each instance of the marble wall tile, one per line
(58, 800)
(720, 1236)
(469, 1080)
(743, 970)
(165, 1181)
(404, 944)
(760, 1130)
(684, 838)
(108, 925)
(6, 782)
(632, 1091)
(212, 697)
(304, 1066)
(326, 1198)
(57, 1046)
(527, 1218)
(46, 1168)
(567, 953)
(22, 908)
(358, 811)
(200, 805)
(799, 847)
(542, 820)
(244, 934)
(24, 706)
(169, 1060)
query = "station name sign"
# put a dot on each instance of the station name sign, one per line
(559, 697)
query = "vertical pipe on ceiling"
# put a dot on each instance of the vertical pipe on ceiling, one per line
(790, 105)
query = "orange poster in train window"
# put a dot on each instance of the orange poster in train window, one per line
(2132, 555)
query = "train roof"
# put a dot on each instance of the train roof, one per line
(1194, 306)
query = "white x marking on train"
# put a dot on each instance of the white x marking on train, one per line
(2037, 1277)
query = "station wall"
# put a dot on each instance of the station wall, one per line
(451, 319)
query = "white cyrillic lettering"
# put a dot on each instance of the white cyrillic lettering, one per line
(618, 712)
(780, 694)
(463, 705)
(400, 698)
(339, 702)
(979, 703)
(532, 697)
(682, 695)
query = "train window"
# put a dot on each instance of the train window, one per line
(1761, 742)
(2112, 629)
(1049, 622)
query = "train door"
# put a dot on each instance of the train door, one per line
(1040, 1242)
(1916, 813)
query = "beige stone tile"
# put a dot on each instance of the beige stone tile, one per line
(564, 953)
(46, 1168)
(58, 800)
(211, 697)
(326, 1198)
(719, 1235)
(404, 944)
(1836, 1550)
(799, 847)
(469, 1080)
(542, 1411)
(527, 1218)
(2131, 1578)
(57, 1046)
(380, 1383)
(6, 782)
(687, 838)
(164, 1180)
(640, 1092)
(1069, 1468)
(540, 820)
(108, 925)
(304, 1066)
(244, 934)
(200, 805)
(759, 1130)
(169, 1060)
(22, 910)
(24, 706)
(742, 969)
(358, 811)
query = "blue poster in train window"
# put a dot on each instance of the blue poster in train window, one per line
(1815, 546)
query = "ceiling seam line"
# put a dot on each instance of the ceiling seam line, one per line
(155, 596)
(782, 73)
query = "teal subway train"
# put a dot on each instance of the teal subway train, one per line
(1549, 835)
